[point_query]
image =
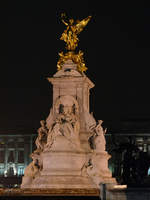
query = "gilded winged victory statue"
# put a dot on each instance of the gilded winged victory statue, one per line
(70, 36)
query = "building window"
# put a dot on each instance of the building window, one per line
(11, 156)
(20, 145)
(11, 144)
(2, 143)
(21, 171)
(21, 157)
(2, 155)
(1, 170)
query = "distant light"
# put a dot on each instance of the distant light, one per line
(5, 173)
(15, 171)
(1, 142)
(111, 167)
(120, 186)
(148, 172)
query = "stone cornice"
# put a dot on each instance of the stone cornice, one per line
(71, 80)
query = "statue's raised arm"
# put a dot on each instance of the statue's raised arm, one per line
(63, 18)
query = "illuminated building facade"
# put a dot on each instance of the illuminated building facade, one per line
(14, 156)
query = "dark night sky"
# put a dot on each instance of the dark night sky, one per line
(116, 45)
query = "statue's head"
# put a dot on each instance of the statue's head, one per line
(66, 105)
(71, 21)
(100, 122)
(67, 109)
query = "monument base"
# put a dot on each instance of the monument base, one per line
(51, 194)
(63, 182)
(61, 170)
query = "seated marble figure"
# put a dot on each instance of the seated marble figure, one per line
(66, 125)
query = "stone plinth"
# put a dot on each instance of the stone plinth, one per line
(62, 170)
(63, 163)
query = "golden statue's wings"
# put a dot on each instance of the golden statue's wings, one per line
(80, 26)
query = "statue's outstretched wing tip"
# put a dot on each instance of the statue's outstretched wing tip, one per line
(81, 24)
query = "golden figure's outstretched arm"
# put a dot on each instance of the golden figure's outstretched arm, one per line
(63, 17)
(80, 26)
(64, 22)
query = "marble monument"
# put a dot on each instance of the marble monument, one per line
(70, 143)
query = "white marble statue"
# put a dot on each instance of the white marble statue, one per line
(42, 136)
(98, 162)
(99, 137)
(32, 170)
(66, 123)
(97, 133)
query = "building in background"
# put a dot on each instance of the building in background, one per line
(16, 145)
(129, 147)
(14, 153)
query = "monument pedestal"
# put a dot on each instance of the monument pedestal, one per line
(63, 170)
(70, 150)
